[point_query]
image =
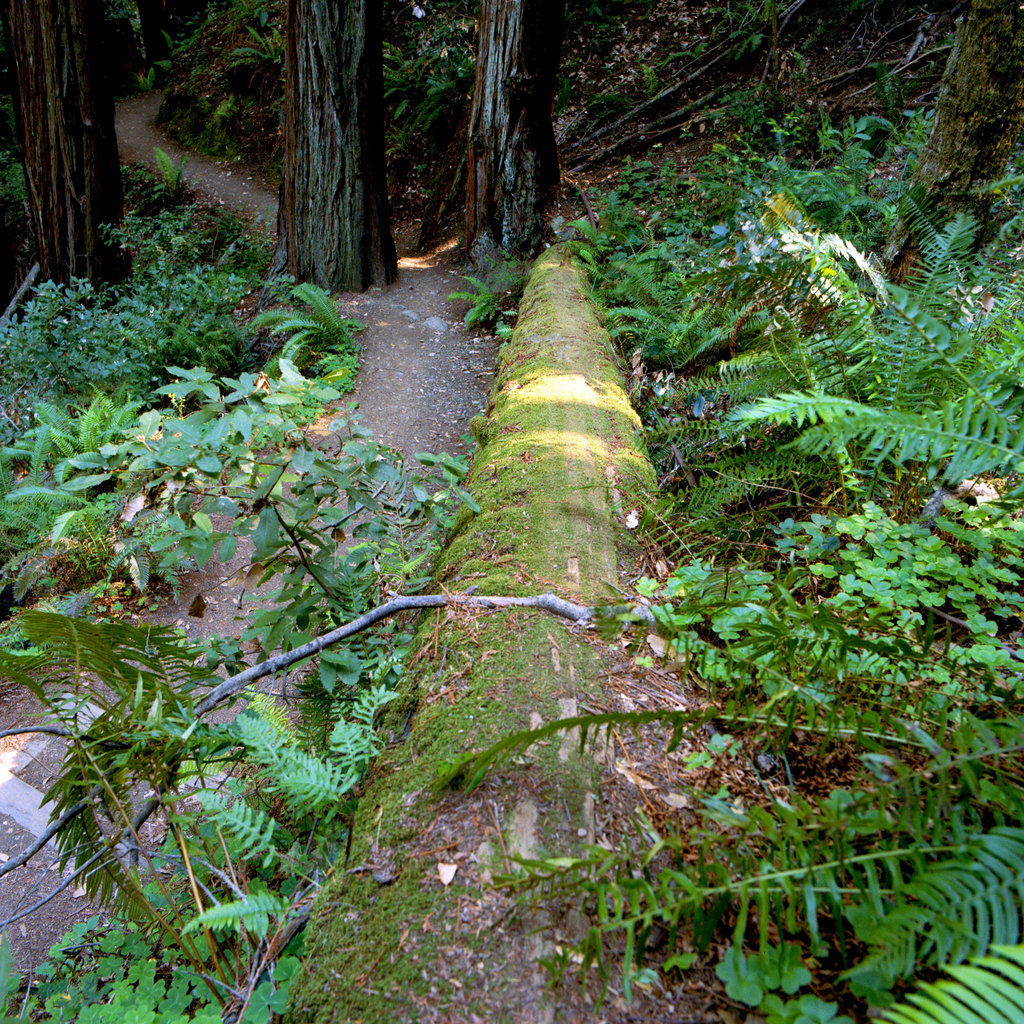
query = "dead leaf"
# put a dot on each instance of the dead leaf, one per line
(78, 893)
(133, 506)
(677, 800)
(447, 872)
(197, 609)
(253, 576)
(623, 769)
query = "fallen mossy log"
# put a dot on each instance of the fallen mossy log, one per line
(427, 934)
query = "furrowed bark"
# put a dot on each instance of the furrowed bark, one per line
(333, 221)
(513, 156)
(978, 119)
(65, 115)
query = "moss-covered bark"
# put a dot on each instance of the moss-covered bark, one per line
(559, 444)
(978, 118)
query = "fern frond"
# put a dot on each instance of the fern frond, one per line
(250, 827)
(266, 707)
(951, 910)
(310, 781)
(960, 439)
(253, 913)
(989, 990)
(258, 735)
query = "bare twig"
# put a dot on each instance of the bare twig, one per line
(546, 602)
(50, 730)
(14, 918)
(20, 293)
(953, 620)
(69, 815)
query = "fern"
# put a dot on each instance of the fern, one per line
(953, 909)
(252, 913)
(266, 707)
(961, 438)
(320, 327)
(483, 302)
(173, 174)
(309, 782)
(251, 829)
(989, 990)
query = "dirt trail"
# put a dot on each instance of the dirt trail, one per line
(225, 182)
(422, 378)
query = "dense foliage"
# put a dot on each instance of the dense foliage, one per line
(814, 426)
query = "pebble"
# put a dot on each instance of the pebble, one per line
(435, 323)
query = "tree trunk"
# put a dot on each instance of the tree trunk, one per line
(978, 118)
(8, 260)
(65, 114)
(513, 157)
(153, 24)
(334, 222)
(124, 64)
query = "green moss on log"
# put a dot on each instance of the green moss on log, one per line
(559, 447)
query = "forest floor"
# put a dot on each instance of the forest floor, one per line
(422, 377)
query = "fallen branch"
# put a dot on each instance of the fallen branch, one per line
(29, 852)
(591, 216)
(20, 294)
(73, 877)
(653, 130)
(650, 104)
(928, 54)
(546, 602)
(50, 730)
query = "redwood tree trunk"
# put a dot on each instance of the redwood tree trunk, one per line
(513, 157)
(65, 113)
(153, 24)
(978, 117)
(334, 223)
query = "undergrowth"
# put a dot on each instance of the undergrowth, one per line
(839, 543)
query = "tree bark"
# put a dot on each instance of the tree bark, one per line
(65, 114)
(513, 156)
(153, 24)
(334, 222)
(978, 118)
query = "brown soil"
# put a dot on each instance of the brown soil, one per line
(225, 183)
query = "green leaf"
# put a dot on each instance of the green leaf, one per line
(741, 980)
(226, 551)
(679, 962)
(343, 666)
(84, 483)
